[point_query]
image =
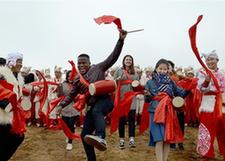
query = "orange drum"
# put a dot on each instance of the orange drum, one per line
(178, 103)
(102, 87)
(137, 86)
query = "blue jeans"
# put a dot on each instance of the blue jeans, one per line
(94, 121)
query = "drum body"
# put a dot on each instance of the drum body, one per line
(137, 87)
(102, 87)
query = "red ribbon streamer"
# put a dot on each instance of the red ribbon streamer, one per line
(67, 131)
(73, 70)
(44, 94)
(145, 119)
(192, 35)
(121, 107)
(38, 83)
(107, 19)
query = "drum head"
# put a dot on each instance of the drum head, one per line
(178, 102)
(135, 83)
(92, 89)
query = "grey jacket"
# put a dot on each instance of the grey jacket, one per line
(67, 111)
(128, 87)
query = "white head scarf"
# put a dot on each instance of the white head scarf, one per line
(212, 54)
(12, 58)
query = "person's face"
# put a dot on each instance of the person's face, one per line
(112, 72)
(212, 63)
(70, 81)
(39, 76)
(190, 75)
(148, 73)
(18, 66)
(83, 65)
(128, 61)
(139, 73)
(58, 74)
(162, 69)
(170, 69)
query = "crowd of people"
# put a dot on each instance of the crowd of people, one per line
(160, 84)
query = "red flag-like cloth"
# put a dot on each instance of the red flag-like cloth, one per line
(166, 115)
(107, 19)
(192, 35)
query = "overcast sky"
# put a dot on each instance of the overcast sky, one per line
(50, 32)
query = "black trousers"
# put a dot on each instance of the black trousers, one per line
(70, 121)
(180, 116)
(9, 142)
(94, 121)
(131, 124)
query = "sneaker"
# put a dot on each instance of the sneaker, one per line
(122, 144)
(96, 141)
(29, 124)
(69, 146)
(38, 124)
(132, 144)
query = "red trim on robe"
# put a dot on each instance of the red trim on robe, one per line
(192, 35)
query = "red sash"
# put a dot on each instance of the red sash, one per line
(166, 115)
(122, 107)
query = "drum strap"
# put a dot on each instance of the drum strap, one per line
(127, 74)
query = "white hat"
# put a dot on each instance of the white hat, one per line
(25, 70)
(47, 72)
(212, 54)
(190, 72)
(57, 69)
(12, 58)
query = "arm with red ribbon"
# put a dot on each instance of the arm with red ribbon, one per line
(192, 36)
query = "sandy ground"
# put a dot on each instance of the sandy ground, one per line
(48, 145)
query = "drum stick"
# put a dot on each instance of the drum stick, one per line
(135, 31)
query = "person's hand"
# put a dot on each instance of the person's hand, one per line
(36, 88)
(119, 78)
(208, 78)
(123, 34)
(147, 93)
